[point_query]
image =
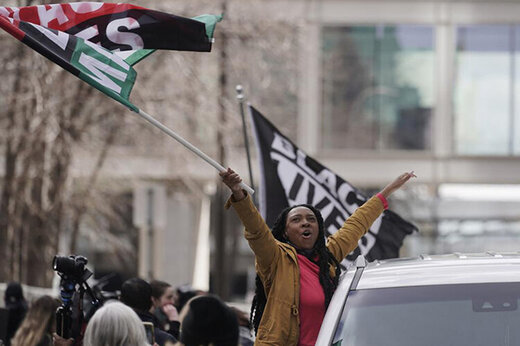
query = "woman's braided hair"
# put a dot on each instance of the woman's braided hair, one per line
(325, 260)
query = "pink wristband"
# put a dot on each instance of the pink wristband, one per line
(383, 200)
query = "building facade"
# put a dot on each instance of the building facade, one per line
(378, 87)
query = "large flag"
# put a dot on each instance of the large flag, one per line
(99, 42)
(290, 177)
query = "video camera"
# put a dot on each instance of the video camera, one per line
(74, 275)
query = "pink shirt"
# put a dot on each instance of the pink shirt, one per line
(312, 302)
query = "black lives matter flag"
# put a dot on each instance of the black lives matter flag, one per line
(290, 177)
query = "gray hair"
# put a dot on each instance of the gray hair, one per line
(115, 324)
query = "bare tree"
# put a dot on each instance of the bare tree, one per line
(47, 114)
(50, 121)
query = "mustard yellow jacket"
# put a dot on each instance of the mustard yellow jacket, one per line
(277, 266)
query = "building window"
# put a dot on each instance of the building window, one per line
(486, 100)
(378, 87)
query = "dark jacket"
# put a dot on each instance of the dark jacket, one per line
(16, 313)
(171, 327)
(160, 336)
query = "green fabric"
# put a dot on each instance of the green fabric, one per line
(112, 75)
(139, 55)
(211, 21)
(105, 71)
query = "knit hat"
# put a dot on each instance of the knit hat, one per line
(209, 320)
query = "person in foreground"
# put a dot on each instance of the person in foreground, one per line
(115, 324)
(297, 269)
(39, 323)
(208, 321)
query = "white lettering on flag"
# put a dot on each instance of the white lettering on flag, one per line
(283, 145)
(287, 171)
(15, 12)
(129, 38)
(88, 33)
(59, 38)
(109, 55)
(100, 70)
(324, 177)
(54, 12)
(4, 12)
(301, 162)
(85, 7)
(328, 179)
(334, 211)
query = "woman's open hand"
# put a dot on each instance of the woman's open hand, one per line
(397, 183)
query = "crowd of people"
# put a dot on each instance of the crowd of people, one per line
(297, 274)
(146, 313)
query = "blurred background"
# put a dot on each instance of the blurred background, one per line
(368, 88)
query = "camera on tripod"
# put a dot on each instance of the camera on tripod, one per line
(74, 275)
(73, 267)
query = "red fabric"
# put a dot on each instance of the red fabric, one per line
(65, 16)
(12, 27)
(383, 200)
(312, 302)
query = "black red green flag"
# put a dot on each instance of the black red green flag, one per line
(290, 177)
(99, 42)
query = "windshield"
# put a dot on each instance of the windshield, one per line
(469, 314)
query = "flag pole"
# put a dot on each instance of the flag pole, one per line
(188, 145)
(240, 98)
